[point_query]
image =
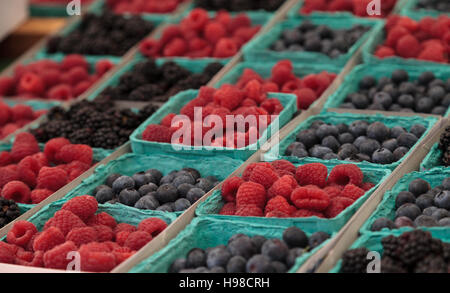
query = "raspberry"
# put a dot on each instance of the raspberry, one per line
(247, 76)
(367, 186)
(75, 169)
(23, 255)
(28, 169)
(280, 204)
(7, 175)
(21, 233)
(36, 261)
(81, 236)
(97, 261)
(103, 66)
(75, 152)
(249, 211)
(21, 112)
(74, 60)
(251, 193)
(7, 253)
(105, 219)
(77, 74)
(48, 239)
(24, 145)
(197, 19)
(167, 120)
(282, 187)
(122, 253)
(225, 48)
(337, 205)
(60, 92)
(153, 226)
(290, 86)
(228, 209)
(314, 173)
(137, 240)
(432, 53)
(5, 158)
(53, 146)
(17, 191)
(51, 178)
(6, 87)
(249, 169)
(230, 188)
(176, 47)
(254, 92)
(41, 159)
(276, 214)
(9, 129)
(407, 46)
(81, 87)
(345, 174)
(384, 52)
(56, 258)
(31, 83)
(239, 21)
(310, 199)
(272, 106)
(264, 176)
(333, 191)
(306, 214)
(353, 192)
(395, 34)
(157, 133)
(284, 165)
(124, 227)
(150, 47)
(122, 236)
(270, 87)
(104, 233)
(214, 31)
(111, 245)
(282, 72)
(65, 221)
(305, 98)
(83, 206)
(246, 33)
(229, 97)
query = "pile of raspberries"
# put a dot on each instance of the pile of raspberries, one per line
(225, 101)
(139, 6)
(427, 39)
(48, 79)
(279, 189)
(199, 35)
(357, 7)
(28, 175)
(101, 242)
(15, 117)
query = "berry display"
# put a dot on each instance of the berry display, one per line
(412, 252)
(150, 190)
(319, 38)
(419, 206)
(15, 117)
(245, 254)
(283, 191)
(137, 7)
(357, 7)
(199, 35)
(400, 93)
(101, 242)
(444, 146)
(439, 5)
(239, 5)
(358, 141)
(425, 40)
(105, 34)
(148, 82)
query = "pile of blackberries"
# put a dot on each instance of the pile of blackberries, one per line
(411, 252)
(244, 254)
(319, 38)
(239, 5)
(358, 141)
(9, 211)
(148, 82)
(95, 123)
(419, 206)
(444, 146)
(105, 34)
(150, 190)
(442, 6)
(427, 94)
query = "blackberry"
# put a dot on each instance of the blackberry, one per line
(9, 211)
(390, 265)
(431, 264)
(355, 261)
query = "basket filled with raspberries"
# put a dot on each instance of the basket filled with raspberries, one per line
(157, 80)
(181, 124)
(212, 246)
(153, 7)
(204, 35)
(307, 82)
(159, 183)
(326, 40)
(404, 40)
(103, 237)
(423, 8)
(418, 200)
(375, 140)
(399, 88)
(320, 196)
(414, 251)
(60, 79)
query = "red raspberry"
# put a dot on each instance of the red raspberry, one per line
(97, 261)
(407, 47)
(249, 211)
(65, 221)
(229, 97)
(28, 169)
(284, 165)
(176, 47)
(197, 19)
(39, 195)
(24, 145)
(112, 245)
(48, 239)
(105, 219)
(5, 158)
(81, 87)
(290, 86)
(41, 159)
(36, 261)
(74, 60)
(6, 175)
(103, 66)
(345, 174)
(270, 87)
(230, 188)
(60, 92)
(75, 152)
(240, 20)
(333, 191)
(23, 255)
(122, 236)
(124, 227)
(353, 192)
(432, 53)
(279, 203)
(150, 47)
(337, 205)
(104, 233)
(75, 169)
(137, 240)
(8, 129)
(395, 34)
(51, 178)
(31, 83)
(53, 146)
(247, 76)
(6, 86)
(408, 23)
(251, 193)
(56, 258)
(254, 92)
(246, 33)
(81, 236)
(272, 106)
(77, 74)
(367, 186)
(122, 254)
(170, 32)
(17, 191)
(228, 209)
(282, 187)
(384, 52)
(314, 173)
(306, 214)
(153, 226)
(157, 133)
(225, 48)
(167, 120)
(305, 97)
(51, 77)
(21, 112)
(21, 233)
(282, 72)
(249, 169)
(310, 199)
(214, 31)
(264, 176)
(83, 206)
(276, 214)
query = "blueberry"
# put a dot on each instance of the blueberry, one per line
(259, 264)
(407, 88)
(426, 77)
(376, 106)
(392, 90)
(317, 238)
(439, 110)
(424, 105)
(359, 140)
(242, 246)
(358, 128)
(381, 223)
(196, 257)
(111, 178)
(418, 186)
(331, 142)
(418, 130)
(279, 267)
(178, 265)
(404, 197)
(425, 221)
(307, 138)
(236, 236)
(346, 137)
(105, 194)
(362, 157)
(129, 197)
(327, 130)
(313, 45)
(400, 152)
(396, 131)
(183, 189)
(236, 264)
(403, 222)
(399, 76)
(184, 178)
(194, 194)
(440, 214)
(383, 98)
(292, 36)
(346, 151)
(409, 210)
(195, 173)
(278, 46)
(146, 189)
(97, 189)
(446, 183)
(445, 222)
(300, 152)
(424, 201)
(436, 93)
(258, 242)
(156, 174)
(429, 210)
(367, 82)
(331, 156)
(378, 131)
(166, 193)
(167, 207)
(319, 151)
(204, 184)
(275, 249)
(316, 124)
(147, 202)
(217, 257)
(382, 82)
(369, 146)
(407, 140)
(292, 147)
(121, 183)
(141, 179)
(167, 179)
(390, 144)
(182, 204)
(383, 156)
(442, 200)
(395, 108)
(295, 237)
(446, 101)
(360, 101)
(292, 256)
(406, 101)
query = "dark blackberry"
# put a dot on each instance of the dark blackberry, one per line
(390, 265)
(212, 69)
(355, 261)
(431, 264)
(9, 211)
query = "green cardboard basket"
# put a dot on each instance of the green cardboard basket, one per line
(433, 159)
(410, 9)
(54, 9)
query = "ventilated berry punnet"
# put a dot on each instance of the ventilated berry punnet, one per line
(410, 8)
(433, 159)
